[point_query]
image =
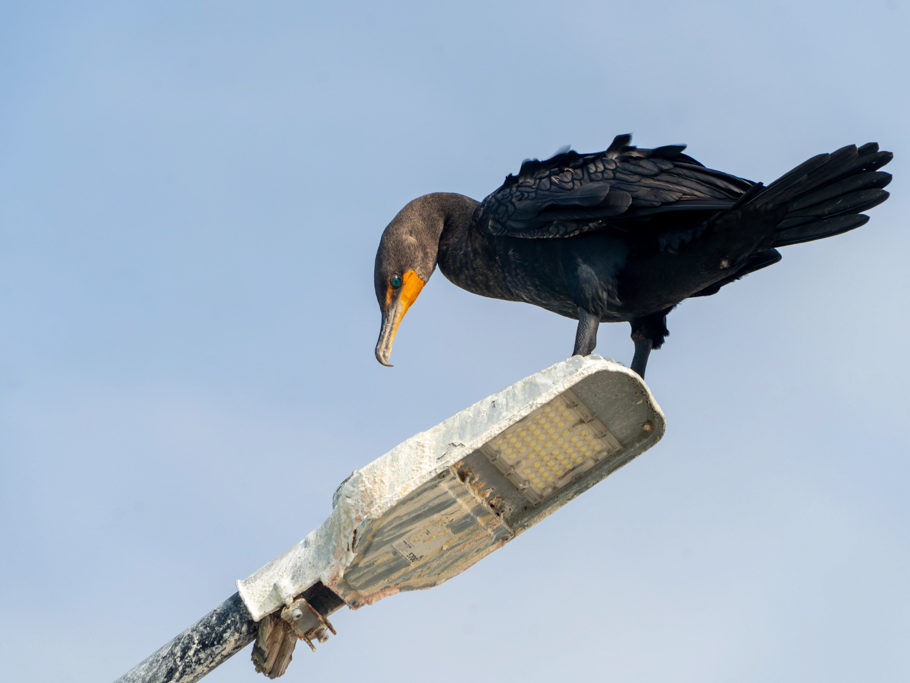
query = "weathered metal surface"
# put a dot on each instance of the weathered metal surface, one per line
(434, 505)
(305, 618)
(200, 648)
(274, 646)
(307, 622)
(430, 536)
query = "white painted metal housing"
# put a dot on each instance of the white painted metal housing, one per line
(440, 501)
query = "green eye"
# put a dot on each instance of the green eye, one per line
(395, 281)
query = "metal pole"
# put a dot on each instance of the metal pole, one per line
(210, 641)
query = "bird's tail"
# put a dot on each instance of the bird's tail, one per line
(825, 195)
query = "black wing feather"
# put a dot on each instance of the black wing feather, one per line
(573, 193)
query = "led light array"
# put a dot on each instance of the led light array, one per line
(551, 447)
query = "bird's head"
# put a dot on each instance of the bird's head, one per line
(404, 262)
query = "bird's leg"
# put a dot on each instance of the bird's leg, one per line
(648, 332)
(640, 359)
(586, 334)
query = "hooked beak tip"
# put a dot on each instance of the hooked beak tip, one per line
(383, 359)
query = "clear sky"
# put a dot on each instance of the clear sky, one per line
(191, 195)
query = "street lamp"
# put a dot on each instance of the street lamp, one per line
(440, 501)
(445, 498)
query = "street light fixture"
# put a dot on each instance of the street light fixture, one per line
(429, 509)
(445, 498)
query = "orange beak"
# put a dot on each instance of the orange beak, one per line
(397, 302)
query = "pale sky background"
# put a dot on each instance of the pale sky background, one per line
(191, 196)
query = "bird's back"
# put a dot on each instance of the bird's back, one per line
(622, 188)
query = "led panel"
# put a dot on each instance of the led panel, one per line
(551, 447)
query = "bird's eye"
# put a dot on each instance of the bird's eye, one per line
(395, 281)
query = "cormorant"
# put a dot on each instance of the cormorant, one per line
(619, 235)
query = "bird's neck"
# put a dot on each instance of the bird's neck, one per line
(466, 256)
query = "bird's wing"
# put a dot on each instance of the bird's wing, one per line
(574, 193)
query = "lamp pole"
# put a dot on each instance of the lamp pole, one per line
(225, 630)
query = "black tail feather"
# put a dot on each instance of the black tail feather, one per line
(864, 181)
(840, 206)
(819, 229)
(824, 195)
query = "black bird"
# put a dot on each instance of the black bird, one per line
(619, 235)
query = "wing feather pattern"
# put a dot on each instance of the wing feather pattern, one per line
(574, 193)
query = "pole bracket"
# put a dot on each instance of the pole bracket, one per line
(279, 632)
(308, 623)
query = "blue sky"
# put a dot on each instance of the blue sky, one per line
(191, 196)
